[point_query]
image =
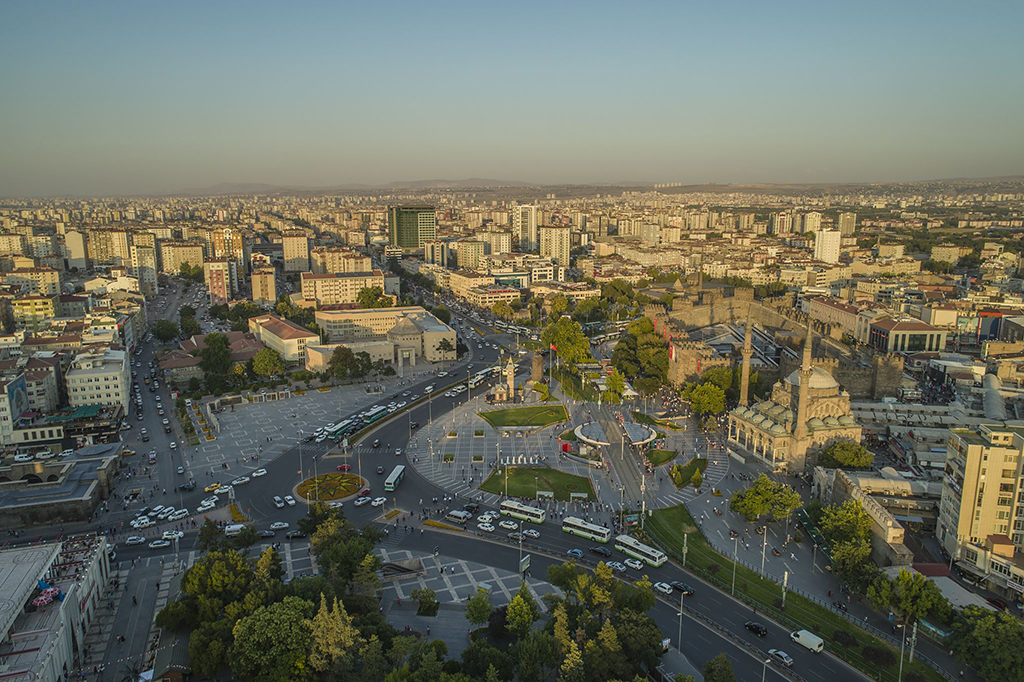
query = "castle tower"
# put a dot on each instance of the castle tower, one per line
(748, 350)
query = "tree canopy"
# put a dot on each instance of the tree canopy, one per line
(373, 297)
(268, 363)
(571, 346)
(642, 356)
(766, 496)
(846, 454)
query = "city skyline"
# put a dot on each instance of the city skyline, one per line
(120, 99)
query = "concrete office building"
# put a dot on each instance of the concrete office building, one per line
(99, 377)
(905, 336)
(826, 246)
(295, 245)
(413, 332)
(264, 287)
(555, 243)
(335, 289)
(285, 337)
(524, 226)
(410, 226)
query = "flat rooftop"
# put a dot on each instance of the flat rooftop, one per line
(20, 570)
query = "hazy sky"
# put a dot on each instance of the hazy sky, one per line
(137, 97)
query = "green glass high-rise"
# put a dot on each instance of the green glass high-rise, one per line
(410, 226)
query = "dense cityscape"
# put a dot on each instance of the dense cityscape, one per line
(469, 342)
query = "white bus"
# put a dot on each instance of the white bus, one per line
(375, 414)
(638, 550)
(522, 511)
(334, 430)
(571, 524)
(477, 379)
(458, 516)
(395, 478)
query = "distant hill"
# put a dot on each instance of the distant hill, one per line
(265, 188)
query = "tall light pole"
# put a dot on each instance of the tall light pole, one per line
(764, 546)
(903, 644)
(764, 670)
(735, 549)
(679, 637)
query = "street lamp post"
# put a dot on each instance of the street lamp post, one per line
(903, 644)
(764, 546)
(679, 637)
(735, 550)
(764, 670)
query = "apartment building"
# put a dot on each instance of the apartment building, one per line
(826, 246)
(410, 226)
(468, 253)
(435, 252)
(99, 377)
(487, 295)
(45, 281)
(295, 245)
(461, 281)
(34, 312)
(13, 404)
(12, 244)
(847, 224)
(144, 265)
(524, 226)
(327, 260)
(496, 241)
(173, 254)
(217, 275)
(109, 247)
(555, 243)
(335, 289)
(264, 286)
(76, 250)
(285, 337)
(981, 512)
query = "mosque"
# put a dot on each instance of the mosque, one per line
(807, 411)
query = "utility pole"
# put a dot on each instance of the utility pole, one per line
(686, 537)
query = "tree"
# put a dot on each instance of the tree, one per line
(267, 363)
(845, 522)
(502, 309)
(342, 362)
(478, 607)
(570, 345)
(640, 638)
(165, 330)
(191, 273)
(535, 655)
(334, 638)
(365, 581)
(706, 399)
(880, 593)
(7, 317)
(914, 596)
(442, 313)
(520, 617)
(991, 642)
(373, 297)
(481, 655)
(765, 496)
(215, 361)
(190, 327)
(558, 304)
(208, 647)
(561, 629)
(274, 642)
(425, 597)
(445, 346)
(616, 383)
(846, 453)
(571, 669)
(718, 669)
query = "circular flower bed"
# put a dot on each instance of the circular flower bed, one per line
(327, 487)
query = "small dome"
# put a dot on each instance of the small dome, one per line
(778, 409)
(831, 421)
(820, 379)
(815, 423)
(778, 430)
(847, 420)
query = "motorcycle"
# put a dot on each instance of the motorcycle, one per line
(718, 512)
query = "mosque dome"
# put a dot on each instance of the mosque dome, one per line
(820, 379)
(778, 430)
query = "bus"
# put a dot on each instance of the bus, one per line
(334, 432)
(395, 478)
(571, 524)
(522, 511)
(375, 414)
(476, 380)
(638, 550)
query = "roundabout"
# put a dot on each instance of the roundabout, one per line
(330, 487)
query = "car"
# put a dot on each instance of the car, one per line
(344, 467)
(515, 535)
(376, 442)
(294, 534)
(449, 394)
(531, 533)
(181, 470)
(398, 452)
(337, 504)
(142, 512)
(156, 510)
(160, 411)
(178, 515)
(380, 470)
(173, 535)
(266, 533)
(135, 540)
(360, 501)
(486, 527)
(602, 551)
(159, 544)
(755, 627)
(289, 500)
(682, 587)
(259, 472)
(487, 517)
(635, 564)
(379, 501)
(664, 588)
(223, 490)
(508, 525)
(406, 393)
(212, 499)
(24, 457)
(165, 513)
(996, 603)
(616, 566)
(780, 656)
(320, 439)
(279, 525)
(278, 502)
(173, 445)
(442, 374)
(472, 508)
(67, 453)
(575, 553)
(241, 480)
(141, 522)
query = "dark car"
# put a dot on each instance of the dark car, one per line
(294, 534)
(756, 628)
(603, 551)
(414, 425)
(997, 603)
(380, 470)
(682, 587)
(472, 507)
(191, 485)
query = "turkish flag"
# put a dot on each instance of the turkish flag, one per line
(553, 347)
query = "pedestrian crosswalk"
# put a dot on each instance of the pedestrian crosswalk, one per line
(717, 470)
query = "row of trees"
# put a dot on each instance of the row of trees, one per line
(642, 356)
(346, 364)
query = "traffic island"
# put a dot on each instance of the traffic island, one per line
(516, 417)
(329, 487)
(529, 481)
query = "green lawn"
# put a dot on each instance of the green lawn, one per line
(573, 387)
(541, 415)
(568, 434)
(659, 457)
(521, 482)
(688, 470)
(666, 527)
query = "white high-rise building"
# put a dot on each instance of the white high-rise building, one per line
(524, 225)
(781, 223)
(812, 222)
(555, 243)
(847, 223)
(826, 246)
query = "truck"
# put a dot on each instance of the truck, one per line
(808, 640)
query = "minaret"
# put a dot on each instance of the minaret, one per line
(748, 350)
(800, 432)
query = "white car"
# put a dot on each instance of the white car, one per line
(442, 374)
(278, 502)
(173, 445)
(486, 517)
(156, 510)
(159, 544)
(205, 507)
(508, 525)
(635, 564)
(178, 515)
(223, 490)
(240, 480)
(320, 439)
(361, 501)
(531, 533)
(141, 522)
(485, 527)
(379, 501)
(181, 470)
(664, 588)
(449, 394)
(135, 540)
(259, 472)
(279, 525)
(398, 452)
(173, 535)
(212, 499)
(67, 453)
(289, 500)
(45, 454)
(165, 513)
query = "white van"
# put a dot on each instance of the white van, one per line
(458, 516)
(22, 457)
(808, 640)
(233, 529)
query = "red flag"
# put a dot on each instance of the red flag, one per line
(553, 347)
